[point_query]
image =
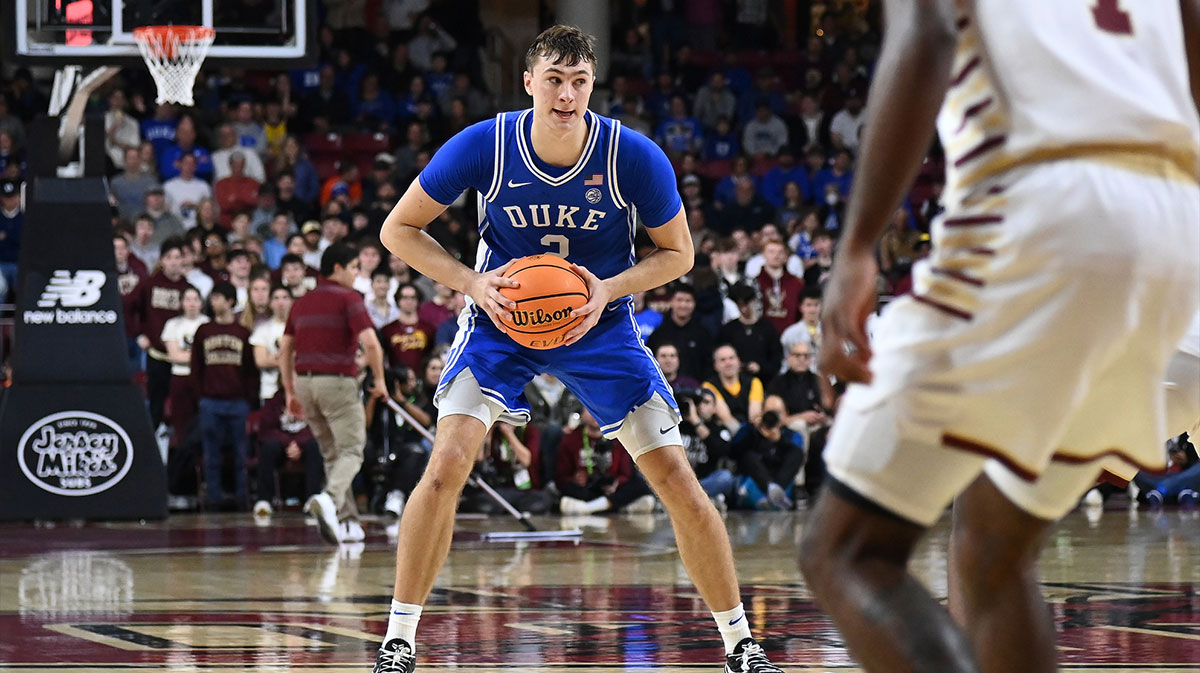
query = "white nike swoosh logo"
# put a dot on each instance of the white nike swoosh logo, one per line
(518, 184)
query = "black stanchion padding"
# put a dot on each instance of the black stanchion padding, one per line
(79, 452)
(75, 436)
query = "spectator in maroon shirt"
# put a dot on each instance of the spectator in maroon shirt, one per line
(216, 255)
(437, 310)
(226, 380)
(408, 338)
(236, 193)
(130, 269)
(780, 290)
(317, 373)
(282, 435)
(130, 273)
(154, 302)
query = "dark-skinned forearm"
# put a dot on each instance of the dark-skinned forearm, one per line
(910, 82)
(1191, 42)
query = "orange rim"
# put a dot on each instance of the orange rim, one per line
(162, 39)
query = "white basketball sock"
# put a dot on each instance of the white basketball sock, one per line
(598, 505)
(402, 623)
(733, 625)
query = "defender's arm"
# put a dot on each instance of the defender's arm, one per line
(910, 83)
(1191, 41)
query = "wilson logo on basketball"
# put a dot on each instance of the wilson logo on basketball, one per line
(75, 453)
(539, 317)
(549, 289)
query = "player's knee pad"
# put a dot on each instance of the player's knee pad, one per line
(653, 424)
(464, 396)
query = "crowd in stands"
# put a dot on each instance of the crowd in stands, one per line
(221, 213)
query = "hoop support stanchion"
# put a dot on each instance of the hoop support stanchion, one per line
(71, 94)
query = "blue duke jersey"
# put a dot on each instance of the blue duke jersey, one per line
(585, 213)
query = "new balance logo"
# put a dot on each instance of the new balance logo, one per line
(512, 184)
(77, 292)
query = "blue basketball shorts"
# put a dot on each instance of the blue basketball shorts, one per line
(609, 369)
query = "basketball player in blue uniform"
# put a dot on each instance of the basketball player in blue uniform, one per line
(556, 179)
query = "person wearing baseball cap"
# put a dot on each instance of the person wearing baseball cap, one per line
(340, 191)
(382, 170)
(312, 243)
(348, 175)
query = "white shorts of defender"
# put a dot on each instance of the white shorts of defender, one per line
(1033, 347)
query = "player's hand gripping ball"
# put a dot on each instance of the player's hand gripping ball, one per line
(549, 290)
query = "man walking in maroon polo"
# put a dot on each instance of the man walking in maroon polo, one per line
(317, 374)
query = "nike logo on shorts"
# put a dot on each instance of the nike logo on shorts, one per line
(663, 431)
(512, 184)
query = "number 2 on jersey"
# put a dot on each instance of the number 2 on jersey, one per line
(564, 245)
(1111, 18)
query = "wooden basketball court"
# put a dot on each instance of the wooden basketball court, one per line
(219, 593)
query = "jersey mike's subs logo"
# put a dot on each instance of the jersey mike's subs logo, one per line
(75, 453)
(66, 296)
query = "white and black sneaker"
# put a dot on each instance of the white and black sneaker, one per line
(394, 504)
(321, 508)
(352, 531)
(396, 656)
(748, 657)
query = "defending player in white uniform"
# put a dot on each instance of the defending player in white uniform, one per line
(1032, 351)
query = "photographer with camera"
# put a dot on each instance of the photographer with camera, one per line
(553, 411)
(1181, 482)
(595, 474)
(506, 461)
(706, 443)
(769, 455)
(805, 401)
(396, 448)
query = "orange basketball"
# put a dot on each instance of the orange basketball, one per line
(549, 290)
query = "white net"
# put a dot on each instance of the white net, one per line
(174, 55)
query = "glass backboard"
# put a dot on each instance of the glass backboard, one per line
(268, 33)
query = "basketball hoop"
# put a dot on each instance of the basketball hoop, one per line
(174, 55)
